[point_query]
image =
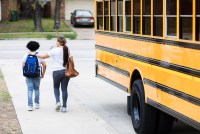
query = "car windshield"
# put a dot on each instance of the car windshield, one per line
(84, 13)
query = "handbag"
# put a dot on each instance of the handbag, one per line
(70, 70)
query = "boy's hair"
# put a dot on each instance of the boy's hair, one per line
(33, 45)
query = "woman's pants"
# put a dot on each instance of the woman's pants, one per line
(59, 78)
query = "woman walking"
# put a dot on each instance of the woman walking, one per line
(60, 56)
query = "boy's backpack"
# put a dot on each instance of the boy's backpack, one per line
(31, 68)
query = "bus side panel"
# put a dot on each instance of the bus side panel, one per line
(181, 106)
(170, 87)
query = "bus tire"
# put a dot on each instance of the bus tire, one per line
(143, 116)
(129, 105)
(164, 123)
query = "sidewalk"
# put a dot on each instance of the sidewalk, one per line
(78, 119)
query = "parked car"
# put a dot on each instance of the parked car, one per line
(82, 17)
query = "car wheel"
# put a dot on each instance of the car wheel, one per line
(74, 24)
(143, 116)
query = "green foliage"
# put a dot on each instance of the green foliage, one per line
(71, 36)
(49, 36)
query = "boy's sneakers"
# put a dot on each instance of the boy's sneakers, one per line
(37, 106)
(30, 108)
(63, 109)
(58, 106)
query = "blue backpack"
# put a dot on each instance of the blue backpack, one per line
(31, 68)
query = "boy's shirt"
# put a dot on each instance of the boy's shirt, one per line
(39, 60)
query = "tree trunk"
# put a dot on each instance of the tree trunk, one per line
(37, 17)
(57, 14)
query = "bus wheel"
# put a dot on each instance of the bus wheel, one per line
(143, 116)
(164, 123)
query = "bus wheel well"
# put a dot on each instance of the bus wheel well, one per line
(135, 76)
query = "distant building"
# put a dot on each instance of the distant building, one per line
(67, 7)
(5, 7)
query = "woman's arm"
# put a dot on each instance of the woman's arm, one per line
(42, 56)
(44, 66)
(23, 63)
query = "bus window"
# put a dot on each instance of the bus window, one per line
(106, 15)
(198, 19)
(146, 17)
(171, 18)
(158, 18)
(136, 16)
(99, 15)
(127, 15)
(113, 16)
(120, 16)
(186, 19)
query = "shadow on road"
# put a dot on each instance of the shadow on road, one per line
(182, 128)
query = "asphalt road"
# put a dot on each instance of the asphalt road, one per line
(103, 101)
(84, 32)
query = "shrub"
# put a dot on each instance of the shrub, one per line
(71, 36)
(49, 36)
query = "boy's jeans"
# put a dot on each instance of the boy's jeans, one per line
(33, 84)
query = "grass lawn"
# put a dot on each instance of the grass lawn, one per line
(28, 26)
(48, 35)
(4, 94)
(13, 29)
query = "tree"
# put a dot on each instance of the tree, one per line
(37, 16)
(57, 14)
(37, 12)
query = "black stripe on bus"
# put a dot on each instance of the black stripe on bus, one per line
(153, 40)
(172, 91)
(174, 113)
(113, 83)
(116, 69)
(167, 65)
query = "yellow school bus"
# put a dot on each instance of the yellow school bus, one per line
(151, 49)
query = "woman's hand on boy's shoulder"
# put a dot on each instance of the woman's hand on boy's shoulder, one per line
(32, 53)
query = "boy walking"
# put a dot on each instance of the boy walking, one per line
(33, 69)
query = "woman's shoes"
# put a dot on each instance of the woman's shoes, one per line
(63, 109)
(37, 106)
(58, 106)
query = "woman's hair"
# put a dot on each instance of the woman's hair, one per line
(62, 41)
(33, 46)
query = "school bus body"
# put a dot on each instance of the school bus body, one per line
(169, 70)
(167, 66)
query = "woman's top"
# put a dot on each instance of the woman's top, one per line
(57, 55)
